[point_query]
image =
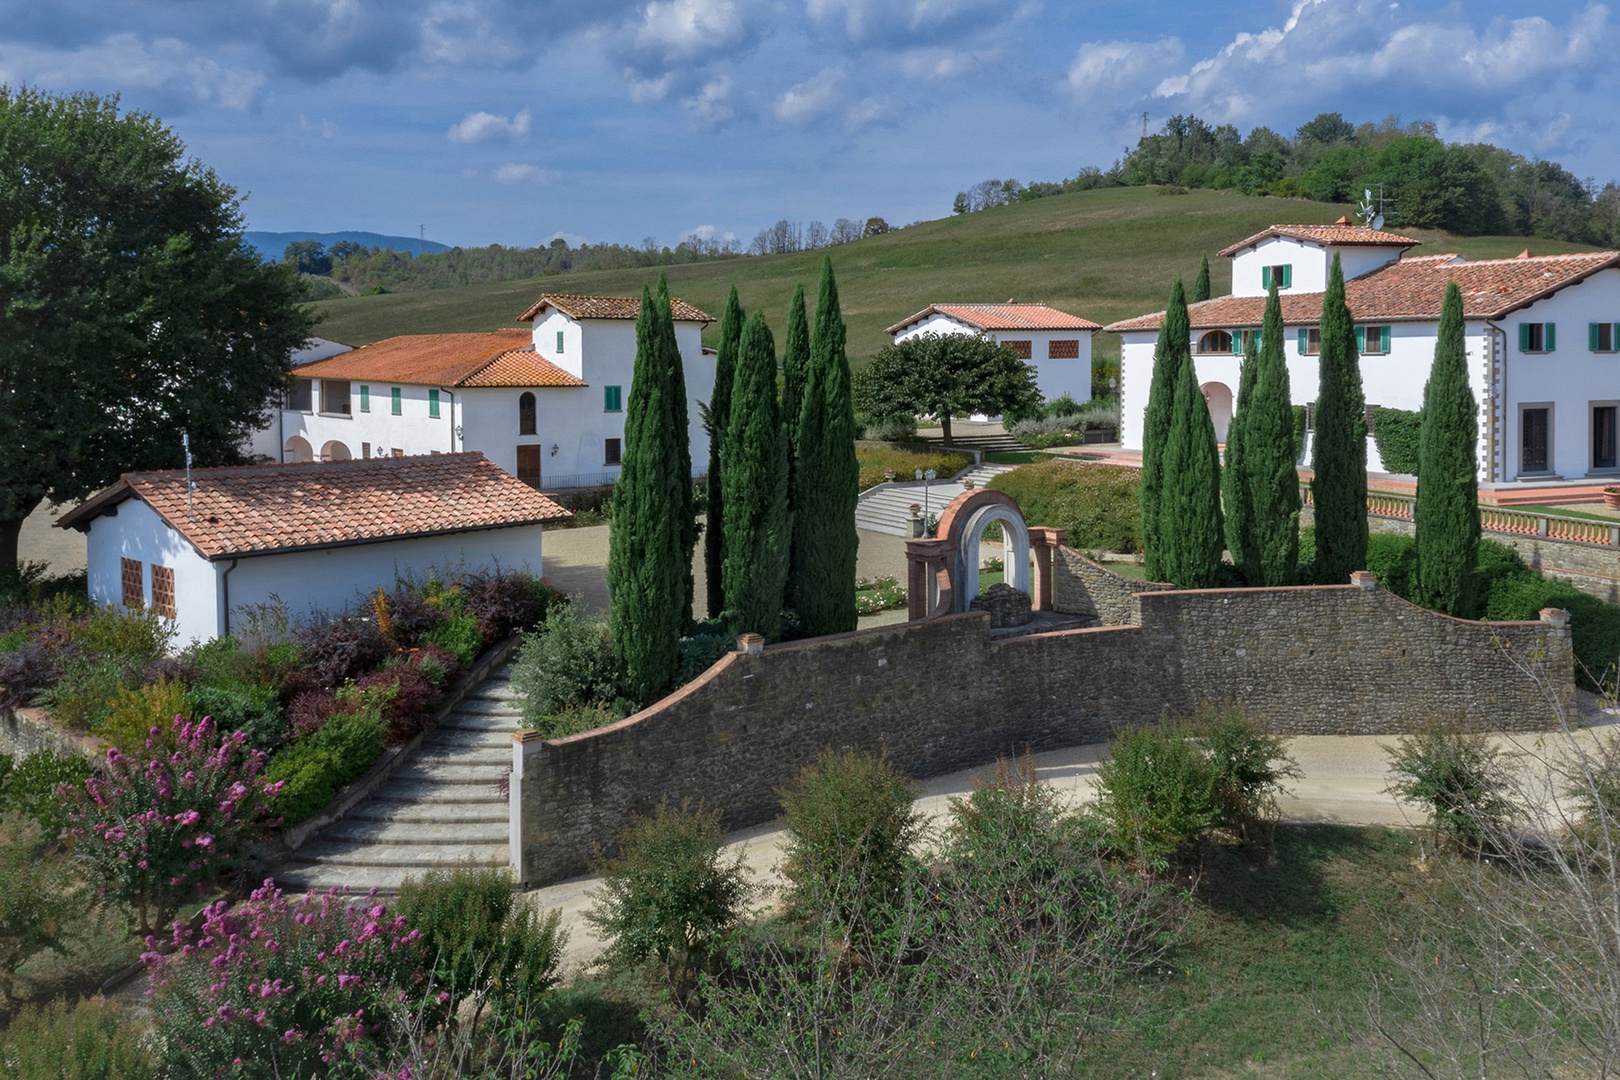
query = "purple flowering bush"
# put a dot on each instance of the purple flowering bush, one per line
(157, 826)
(320, 985)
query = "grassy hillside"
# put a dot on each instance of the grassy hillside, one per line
(1103, 254)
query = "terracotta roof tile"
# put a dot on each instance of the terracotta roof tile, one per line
(430, 359)
(607, 307)
(1001, 317)
(1336, 235)
(1410, 290)
(259, 509)
(521, 367)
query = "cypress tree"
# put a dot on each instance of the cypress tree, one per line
(828, 480)
(1447, 512)
(1190, 527)
(725, 367)
(1340, 453)
(754, 466)
(1173, 350)
(1236, 500)
(795, 373)
(646, 568)
(1200, 291)
(677, 436)
(1270, 458)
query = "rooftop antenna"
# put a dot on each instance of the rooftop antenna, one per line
(191, 510)
(1371, 210)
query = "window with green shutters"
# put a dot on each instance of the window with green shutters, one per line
(433, 404)
(365, 398)
(1310, 341)
(559, 342)
(1603, 337)
(1282, 274)
(397, 400)
(1536, 337)
(1372, 340)
(612, 399)
(1240, 340)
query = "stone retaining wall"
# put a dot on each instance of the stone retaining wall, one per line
(1083, 587)
(24, 732)
(940, 695)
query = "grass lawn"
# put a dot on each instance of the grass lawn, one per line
(1127, 569)
(874, 457)
(1020, 457)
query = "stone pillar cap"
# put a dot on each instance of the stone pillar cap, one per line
(752, 644)
(1364, 579)
(1555, 617)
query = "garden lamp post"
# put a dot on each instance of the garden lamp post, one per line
(925, 477)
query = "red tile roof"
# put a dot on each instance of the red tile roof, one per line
(607, 307)
(1409, 290)
(1001, 317)
(445, 360)
(1339, 234)
(261, 509)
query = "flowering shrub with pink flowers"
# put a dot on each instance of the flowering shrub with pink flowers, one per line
(316, 986)
(158, 826)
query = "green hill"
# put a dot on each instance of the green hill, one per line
(1105, 255)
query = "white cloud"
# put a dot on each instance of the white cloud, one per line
(710, 108)
(127, 62)
(811, 98)
(573, 239)
(942, 63)
(645, 90)
(512, 173)
(484, 127)
(1109, 70)
(679, 29)
(325, 127)
(867, 111)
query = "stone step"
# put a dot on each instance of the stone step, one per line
(403, 856)
(499, 739)
(482, 722)
(397, 792)
(449, 773)
(356, 832)
(488, 707)
(491, 810)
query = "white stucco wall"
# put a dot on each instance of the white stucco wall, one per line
(413, 431)
(1054, 377)
(1310, 262)
(137, 532)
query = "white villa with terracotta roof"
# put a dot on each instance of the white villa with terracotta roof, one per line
(546, 404)
(318, 536)
(1543, 341)
(1056, 343)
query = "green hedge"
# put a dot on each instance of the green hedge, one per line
(315, 768)
(1096, 505)
(1396, 433)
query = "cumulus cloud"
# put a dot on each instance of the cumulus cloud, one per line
(811, 98)
(936, 63)
(513, 173)
(679, 29)
(326, 128)
(178, 74)
(1110, 70)
(710, 108)
(871, 20)
(487, 127)
(868, 111)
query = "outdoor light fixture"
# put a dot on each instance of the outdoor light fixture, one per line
(554, 449)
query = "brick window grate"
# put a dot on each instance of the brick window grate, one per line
(163, 591)
(134, 594)
(1022, 348)
(1063, 349)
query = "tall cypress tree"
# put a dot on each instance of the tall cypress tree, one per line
(754, 466)
(677, 434)
(1270, 458)
(1340, 453)
(646, 567)
(1190, 527)
(1200, 291)
(1173, 350)
(719, 414)
(828, 479)
(795, 374)
(1447, 512)
(1236, 500)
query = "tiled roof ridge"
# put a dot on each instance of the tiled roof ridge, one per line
(252, 466)
(1341, 232)
(1522, 260)
(1007, 315)
(579, 306)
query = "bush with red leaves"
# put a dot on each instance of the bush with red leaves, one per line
(410, 709)
(341, 648)
(27, 669)
(507, 602)
(309, 711)
(412, 616)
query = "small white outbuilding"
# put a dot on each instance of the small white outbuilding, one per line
(1056, 344)
(318, 536)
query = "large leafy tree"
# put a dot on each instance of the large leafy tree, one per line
(1172, 352)
(827, 481)
(649, 564)
(1339, 456)
(754, 467)
(1447, 512)
(947, 375)
(1269, 460)
(717, 417)
(1190, 532)
(132, 312)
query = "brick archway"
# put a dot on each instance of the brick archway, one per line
(944, 571)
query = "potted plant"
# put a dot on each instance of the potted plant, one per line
(916, 519)
(967, 484)
(1611, 497)
(888, 475)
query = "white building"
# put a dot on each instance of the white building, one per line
(546, 404)
(318, 536)
(1056, 343)
(1543, 340)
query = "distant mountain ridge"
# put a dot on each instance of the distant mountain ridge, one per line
(270, 245)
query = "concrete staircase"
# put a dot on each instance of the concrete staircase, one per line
(440, 809)
(988, 442)
(886, 508)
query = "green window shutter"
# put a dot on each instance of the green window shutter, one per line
(1265, 277)
(1614, 336)
(1592, 336)
(1259, 340)
(1288, 276)
(1304, 340)
(559, 342)
(1383, 339)
(1361, 339)
(1237, 342)
(365, 398)
(395, 397)
(433, 404)
(1552, 336)
(1524, 337)
(612, 400)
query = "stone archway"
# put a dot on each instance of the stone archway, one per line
(944, 571)
(1219, 398)
(298, 449)
(1015, 551)
(336, 451)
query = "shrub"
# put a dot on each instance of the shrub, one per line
(312, 987)
(1594, 788)
(219, 661)
(160, 825)
(1155, 790)
(309, 712)
(1249, 766)
(436, 663)
(33, 788)
(82, 696)
(37, 896)
(669, 896)
(1458, 777)
(878, 594)
(481, 940)
(255, 711)
(886, 429)
(1396, 433)
(341, 648)
(568, 663)
(413, 617)
(25, 670)
(1392, 559)
(1594, 625)
(459, 636)
(506, 602)
(135, 636)
(312, 770)
(134, 716)
(850, 828)
(873, 458)
(703, 648)
(577, 719)
(407, 701)
(1096, 504)
(93, 1039)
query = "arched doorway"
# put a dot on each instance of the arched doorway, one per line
(1219, 398)
(1014, 551)
(298, 449)
(335, 451)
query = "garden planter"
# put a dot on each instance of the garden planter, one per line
(1611, 499)
(916, 527)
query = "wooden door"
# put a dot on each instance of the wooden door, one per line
(528, 465)
(1534, 456)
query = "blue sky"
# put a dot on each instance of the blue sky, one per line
(511, 121)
